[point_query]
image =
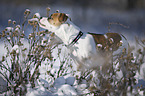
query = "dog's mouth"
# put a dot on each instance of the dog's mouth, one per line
(49, 18)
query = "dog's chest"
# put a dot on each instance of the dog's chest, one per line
(85, 47)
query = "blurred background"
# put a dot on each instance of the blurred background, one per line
(126, 16)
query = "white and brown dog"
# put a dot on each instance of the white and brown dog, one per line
(87, 49)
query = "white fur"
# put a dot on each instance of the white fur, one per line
(84, 51)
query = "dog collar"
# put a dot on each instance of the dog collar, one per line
(76, 39)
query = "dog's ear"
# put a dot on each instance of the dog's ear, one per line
(57, 19)
(62, 17)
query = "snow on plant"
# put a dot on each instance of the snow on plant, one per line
(39, 61)
(115, 78)
(20, 65)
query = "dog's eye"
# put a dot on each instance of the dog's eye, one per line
(49, 18)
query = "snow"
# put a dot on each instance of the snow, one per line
(37, 15)
(18, 26)
(9, 29)
(17, 29)
(59, 81)
(33, 19)
(99, 45)
(9, 20)
(16, 48)
(66, 90)
(65, 86)
(27, 10)
(112, 39)
(61, 87)
(8, 38)
(40, 91)
(83, 85)
(3, 85)
(70, 80)
(142, 72)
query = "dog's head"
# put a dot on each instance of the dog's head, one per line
(57, 19)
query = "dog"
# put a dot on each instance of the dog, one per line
(87, 49)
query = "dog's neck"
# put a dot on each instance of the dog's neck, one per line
(66, 31)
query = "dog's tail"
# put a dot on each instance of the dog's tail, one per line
(126, 43)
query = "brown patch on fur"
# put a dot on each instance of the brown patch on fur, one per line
(116, 40)
(62, 17)
(111, 43)
(99, 39)
(57, 19)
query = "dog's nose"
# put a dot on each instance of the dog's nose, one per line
(41, 17)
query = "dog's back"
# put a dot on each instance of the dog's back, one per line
(109, 42)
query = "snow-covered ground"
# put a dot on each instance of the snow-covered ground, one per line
(97, 21)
